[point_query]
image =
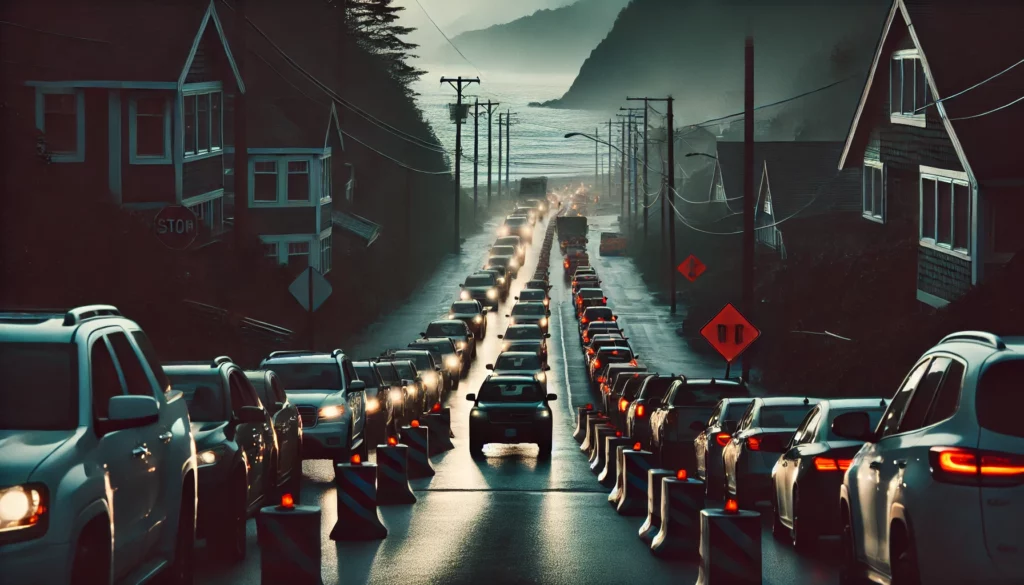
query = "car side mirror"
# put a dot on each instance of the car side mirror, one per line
(501, 337)
(551, 397)
(547, 335)
(549, 313)
(853, 425)
(423, 334)
(697, 426)
(356, 386)
(489, 366)
(462, 285)
(508, 315)
(458, 352)
(517, 298)
(251, 414)
(547, 368)
(471, 397)
(129, 412)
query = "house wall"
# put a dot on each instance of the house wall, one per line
(144, 183)
(283, 220)
(942, 275)
(210, 63)
(87, 178)
(202, 176)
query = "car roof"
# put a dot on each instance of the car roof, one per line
(58, 326)
(448, 321)
(855, 403)
(517, 354)
(611, 348)
(302, 358)
(426, 340)
(511, 378)
(529, 303)
(589, 288)
(789, 401)
(525, 326)
(196, 369)
(716, 381)
(411, 352)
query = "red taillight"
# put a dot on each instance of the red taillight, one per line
(287, 501)
(589, 406)
(615, 318)
(604, 300)
(962, 465)
(632, 362)
(600, 379)
(574, 283)
(392, 441)
(731, 506)
(637, 446)
(753, 443)
(640, 410)
(844, 464)
(615, 352)
(597, 364)
(356, 459)
(414, 423)
(722, 439)
(618, 433)
(583, 320)
(605, 388)
(436, 407)
(566, 263)
(590, 351)
(623, 404)
(825, 464)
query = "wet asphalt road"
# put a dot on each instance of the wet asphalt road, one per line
(509, 518)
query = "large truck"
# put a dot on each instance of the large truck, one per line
(572, 230)
(533, 188)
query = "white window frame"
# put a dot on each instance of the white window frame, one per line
(282, 181)
(326, 180)
(896, 117)
(276, 250)
(252, 182)
(79, 153)
(326, 246)
(864, 184)
(207, 90)
(133, 156)
(309, 181)
(282, 242)
(949, 177)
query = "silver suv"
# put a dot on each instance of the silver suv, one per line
(331, 400)
(98, 481)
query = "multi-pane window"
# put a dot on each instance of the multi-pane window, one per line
(270, 250)
(325, 255)
(60, 122)
(298, 254)
(873, 191)
(908, 86)
(946, 212)
(298, 180)
(264, 185)
(190, 124)
(150, 127)
(203, 119)
(325, 178)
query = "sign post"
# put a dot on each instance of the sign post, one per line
(176, 226)
(311, 289)
(730, 334)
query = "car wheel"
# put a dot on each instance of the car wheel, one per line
(850, 570)
(903, 557)
(270, 487)
(230, 539)
(805, 537)
(91, 563)
(181, 571)
(476, 447)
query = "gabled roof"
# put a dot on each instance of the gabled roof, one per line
(963, 44)
(801, 176)
(360, 227)
(106, 40)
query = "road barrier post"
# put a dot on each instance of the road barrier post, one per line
(597, 445)
(582, 413)
(289, 540)
(611, 460)
(652, 525)
(439, 427)
(681, 503)
(616, 493)
(357, 503)
(633, 497)
(593, 419)
(393, 476)
(730, 546)
(417, 438)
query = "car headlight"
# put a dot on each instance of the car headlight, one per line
(464, 295)
(451, 315)
(501, 280)
(211, 456)
(396, 396)
(478, 319)
(23, 506)
(511, 320)
(331, 411)
(543, 321)
(503, 230)
(411, 391)
(477, 413)
(547, 302)
(505, 346)
(543, 413)
(461, 345)
(513, 264)
(452, 362)
(526, 231)
(541, 377)
(430, 378)
(492, 294)
(372, 405)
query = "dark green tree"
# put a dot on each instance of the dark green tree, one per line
(374, 24)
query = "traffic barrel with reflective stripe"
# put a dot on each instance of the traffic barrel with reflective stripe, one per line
(681, 503)
(593, 419)
(582, 412)
(633, 498)
(611, 460)
(393, 476)
(289, 539)
(439, 427)
(652, 525)
(357, 503)
(418, 440)
(597, 444)
(730, 547)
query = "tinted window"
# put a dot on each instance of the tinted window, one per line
(517, 362)
(805, 431)
(921, 401)
(747, 418)
(39, 384)
(277, 389)
(615, 354)
(948, 398)
(105, 381)
(465, 307)
(705, 394)
(152, 359)
(405, 370)
(524, 333)
(735, 410)
(447, 329)
(423, 361)
(1000, 398)
(492, 392)
(529, 309)
(891, 420)
(131, 367)
(532, 295)
(388, 374)
(591, 293)
(874, 415)
(782, 417)
(367, 374)
(259, 383)
(633, 387)
(203, 395)
(241, 393)
(300, 376)
(479, 281)
(598, 313)
(656, 387)
(348, 371)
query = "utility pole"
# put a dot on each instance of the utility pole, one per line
(476, 152)
(597, 172)
(499, 153)
(459, 83)
(508, 150)
(489, 106)
(668, 203)
(748, 189)
(632, 146)
(241, 137)
(622, 166)
(609, 194)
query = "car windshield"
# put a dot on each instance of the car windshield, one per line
(446, 329)
(783, 417)
(529, 309)
(532, 295)
(1000, 400)
(466, 307)
(299, 377)
(40, 387)
(204, 395)
(511, 392)
(524, 333)
(591, 293)
(388, 373)
(423, 362)
(517, 362)
(874, 415)
(503, 251)
(367, 374)
(615, 353)
(480, 280)
(499, 261)
(516, 221)
(507, 241)
(598, 313)
(524, 345)
(405, 370)
(706, 394)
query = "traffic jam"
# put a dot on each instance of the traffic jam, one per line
(128, 466)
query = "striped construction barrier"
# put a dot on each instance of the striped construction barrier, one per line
(681, 503)
(652, 525)
(417, 438)
(289, 539)
(393, 476)
(604, 432)
(593, 419)
(633, 497)
(730, 547)
(597, 444)
(357, 503)
(611, 460)
(582, 412)
(439, 427)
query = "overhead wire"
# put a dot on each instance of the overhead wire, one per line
(973, 87)
(55, 34)
(992, 111)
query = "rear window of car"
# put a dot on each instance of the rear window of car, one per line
(598, 313)
(298, 377)
(516, 221)
(405, 370)
(507, 241)
(1000, 398)
(39, 384)
(706, 394)
(446, 329)
(874, 415)
(435, 346)
(656, 387)
(783, 417)
(529, 309)
(423, 362)
(499, 261)
(503, 251)
(388, 373)
(492, 392)
(524, 333)
(479, 280)
(204, 395)
(532, 295)
(517, 362)
(591, 293)
(465, 307)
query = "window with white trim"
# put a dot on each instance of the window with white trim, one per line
(298, 180)
(203, 119)
(60, 115)
(150, 129)
(946, 212)
(325, 254)
(298, 254)
(270, 250)
(908, 87)
(326, 182)
(873, 191)
(264, 185)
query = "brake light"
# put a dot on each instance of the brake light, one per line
(731, 506)
(681, 475)
(287, 501)
(356, 459)
(392, 441)
(590, 351)
(722, 439)
(632, 362)
(754, 443)
(600, 379)
(604, 300)
(637, 446)
(583, 320)
(615, 352)
(618, 433)
(566, 263)
(414, 423)
(623, 404)
(597, 364)
(844, 464)
(615, 317)
(436, 407)
(825, 464)
(640, 410)
(960, 465)
(605, 388)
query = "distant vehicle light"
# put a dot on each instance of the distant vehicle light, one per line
(637, 446)
(287, 501)
(464, 295)
(640, 410)
(492, 293)
(392, 441)
(731, 506)
(541, 377)
(478, 319)
(396, 398)
(623, 404)
(722, 439)
(331, 411)
(372, 405)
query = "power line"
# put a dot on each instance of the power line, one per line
(431, 19)
(992, 111)
(55, 34)
(975, 86)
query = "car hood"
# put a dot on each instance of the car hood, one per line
(208, 434)
(314, 398)
(23, 451)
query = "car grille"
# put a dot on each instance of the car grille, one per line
(308, 414)
(511, 417)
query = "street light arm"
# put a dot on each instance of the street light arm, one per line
(689, 154)
(574, 134)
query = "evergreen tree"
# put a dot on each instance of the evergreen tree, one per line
(374, 23)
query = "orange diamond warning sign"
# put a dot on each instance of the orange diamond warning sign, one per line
(730, 333)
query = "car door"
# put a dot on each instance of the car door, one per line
(700, 444)
(731, 453)
(789, 463)
(286, 424)
(248, 436)
(357, 400)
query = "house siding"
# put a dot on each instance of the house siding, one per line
(202, 176)
(269, 221)
(210, 63)
(143, 183)
(943, 275)
(325, 215)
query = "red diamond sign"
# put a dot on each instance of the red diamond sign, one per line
(691, 268)
(730, 333)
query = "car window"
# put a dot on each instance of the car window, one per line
(715, 415)
(806, 428)
(152, 359)
(479, 281)
(406, 370)
(656, 387)
(532, 295)
(259, 383)
(240, 393)
(874, 415)
(106, 383)
(298, 376)
(134, 376)
(948, 398)
(513, 392)
(706, 394)
(349, 371)
(891, 420)
(203, 395)
(782, 417)
(39, 365)
(921, 401)
(277, 389)
(387, 373)
(748, 417)
(524, 333)
(591, 293)
(465, 307)
(367, 374)
(529, 309)
(446, 329)
(999, 399)
(517, 362)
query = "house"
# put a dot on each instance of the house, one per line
(936, 135)
(128, 98)
(792, 179)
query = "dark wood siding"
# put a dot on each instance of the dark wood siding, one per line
(943, 275)
(269, 221)
(210, 63)
(325, 215)
(144, 183)
(202, 176)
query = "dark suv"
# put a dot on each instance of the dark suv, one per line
(510, 409)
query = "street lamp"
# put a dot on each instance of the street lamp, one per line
(574, 134)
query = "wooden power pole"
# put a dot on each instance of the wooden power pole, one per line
(459, 83)
(748, 190)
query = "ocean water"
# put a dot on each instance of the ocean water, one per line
(538, 145)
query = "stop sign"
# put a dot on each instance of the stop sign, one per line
(176, 226)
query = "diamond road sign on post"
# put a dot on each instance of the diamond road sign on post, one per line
(300, 289)
(691, 268)
(730, 333)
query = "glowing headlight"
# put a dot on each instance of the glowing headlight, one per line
(543, 413)
(542, 208)
(492, 294)
(411, 390)
(503, 230)
(331, 412)
(511, 320)
(430, 378)
(396, 396)
(452, 362)
(541, 377)
(22, 506)
(451, 315)
(505, 346)
(477, 413)
(543, 322)
(526, 231)
(501, 280)
(464, 295)
(513, 264)
(208, 457)
(461, 345)
(478, 319)
(547, 302)
(372, 405)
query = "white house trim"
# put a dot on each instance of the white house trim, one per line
(930, 299)
(104, 84)
(79, 154)
(178, 152)
(114, 145)
(282, 182)
(211, 14)
(945, 173)
(333, 119)
(202, 198)
(321, 152)
(133, 157)
(874, 164)
(282, 241)
(202, 87)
